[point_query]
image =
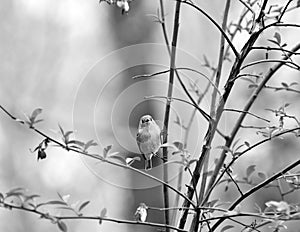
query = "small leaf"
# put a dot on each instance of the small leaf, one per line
(106, 150)
(285, 85)
(54, 202)
(68, 133)
(89, 144)
(250, 170)
(206, 62)
(130, 160)
(31, 197)
(35, 113)
(61, 130)
(235, 143)
(179, 145)
(17, 189)
(252, 86)
(37, 121)
(84, 204)
(1, 197)
(226, 228)
(66, 208)
(226, 188)
(118, 157)
(103, 212)
(77, 142)
(294, 83)
(262, 175)
(277, 37)
(247, 143)
(62, 226)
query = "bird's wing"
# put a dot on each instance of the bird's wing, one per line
(143, 136)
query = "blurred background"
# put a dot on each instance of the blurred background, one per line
(76, 59)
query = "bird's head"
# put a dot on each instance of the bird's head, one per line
(145, 120)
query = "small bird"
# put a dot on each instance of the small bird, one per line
(148, 139)
(141, 213)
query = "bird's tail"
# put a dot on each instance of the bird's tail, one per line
(148, 164)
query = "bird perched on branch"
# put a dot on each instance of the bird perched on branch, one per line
(141, 213)
(148, 139)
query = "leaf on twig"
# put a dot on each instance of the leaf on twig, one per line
(130, 160)
(116, 156)
(262, 175)
(250, 170)
(106, 150)
(83, 205)
(62, 226)
(178, 145)
(277, 37)
(102, 215)
(247, 143)
(53, 202)
(103, 212)
(226, 228)
(90, 144)
(31, 120)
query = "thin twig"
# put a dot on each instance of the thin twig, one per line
(254, 115)
(96, 156)
(285, 62)
(95, 218)
(275, 49)
(252, 11)
(282, 88)
(205, 115)
(216, 25)
(168, 105)
(284, 10)
(178, 69)
(234, 182)
(163, 25)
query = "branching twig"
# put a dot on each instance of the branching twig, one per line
(256, 188)
(247, 107)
